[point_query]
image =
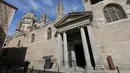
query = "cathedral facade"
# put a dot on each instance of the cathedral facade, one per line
(85, 39)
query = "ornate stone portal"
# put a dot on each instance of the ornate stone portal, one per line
(79, 48)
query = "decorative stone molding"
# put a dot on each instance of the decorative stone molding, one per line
(75, 25)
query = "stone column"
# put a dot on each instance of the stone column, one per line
(87, 5)
(59, 51)
(85, 47)
(74, 63)
(95, 50)
(65, 50)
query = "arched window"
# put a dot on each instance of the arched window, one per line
(19, 43)
(4, 44)
(33, 38)
(114, 12)
(49, 33)
(128, 2)
(95, 1)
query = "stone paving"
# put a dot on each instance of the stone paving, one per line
(66, 70)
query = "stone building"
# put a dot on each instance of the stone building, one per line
(6, 14)
(82, 39)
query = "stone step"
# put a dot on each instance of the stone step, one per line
(73, 72)
(80, 70)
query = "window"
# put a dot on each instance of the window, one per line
(128, 2)
(95, 1)
(20, 25)
(4, 44)
(49, 33)
(33, 38)
(114, 12)
(19, 43)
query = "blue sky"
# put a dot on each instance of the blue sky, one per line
(39, 7)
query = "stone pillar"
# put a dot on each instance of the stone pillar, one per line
(74, 63)
(87, 5)
(85, 47)
(95, 50)
(65, 50)
(59, 51)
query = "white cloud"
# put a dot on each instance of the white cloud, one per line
(33, 4)
(39, 6)
(74, 7)
(20, 5)
(48, 2)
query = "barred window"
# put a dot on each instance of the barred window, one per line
(114, 12)
(33, 38)
(19, 43)
(49, 33)
(95, 1)
(128, 2)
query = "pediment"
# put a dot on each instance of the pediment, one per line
(72, 17)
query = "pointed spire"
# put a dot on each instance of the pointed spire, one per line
(44, 13)
(32, 11)
(44, 17)
(72, 10)
(59, 2)
(59, 10)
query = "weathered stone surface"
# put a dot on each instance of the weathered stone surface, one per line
(6, 14)
(111, 38)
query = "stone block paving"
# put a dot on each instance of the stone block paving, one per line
(63, 71)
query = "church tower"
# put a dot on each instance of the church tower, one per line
(27, 22)
(59, 10)
(44, 18)
(87, 5)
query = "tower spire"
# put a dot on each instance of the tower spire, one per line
(59, 2)
(59, 10)
(87, 5)
(32, 11)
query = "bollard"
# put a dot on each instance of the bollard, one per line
(44, 69)
(58, 69)
(31, 71)
(118, 69)
(110, 63)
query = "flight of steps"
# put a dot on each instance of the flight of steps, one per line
(79, 70)
(73, 70)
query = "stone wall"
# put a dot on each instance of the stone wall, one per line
(41, 46)
(112, 38)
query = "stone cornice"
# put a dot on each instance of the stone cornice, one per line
(81, 15)
(2, 1)
(74, 25)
